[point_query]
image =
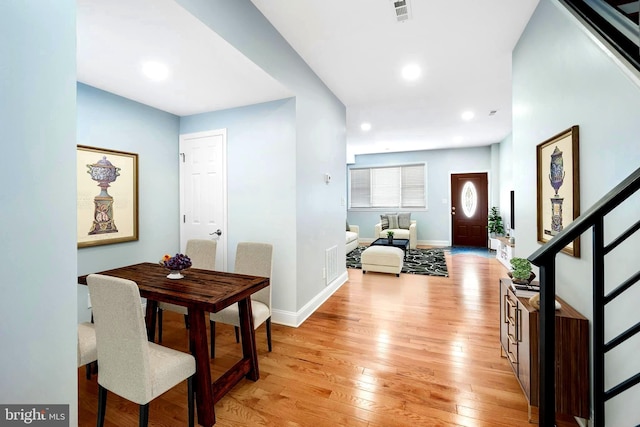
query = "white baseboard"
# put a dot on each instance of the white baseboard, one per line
(295, 319)
(436, 243)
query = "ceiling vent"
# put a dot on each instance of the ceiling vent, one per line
(402, 10)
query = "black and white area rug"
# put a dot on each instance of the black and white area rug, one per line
(430, 262)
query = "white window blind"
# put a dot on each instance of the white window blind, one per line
(388, 187)
(360, 188)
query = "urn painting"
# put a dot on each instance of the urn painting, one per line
(104, 173)
(109, 213)
(556, 178)
(558, 194)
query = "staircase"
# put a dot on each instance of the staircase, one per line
(592, 220)
(628, 8)
(616, 21)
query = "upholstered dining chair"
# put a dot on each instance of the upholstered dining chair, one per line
(203, 255)
(130, 365)
(254, 259)
(87, 353)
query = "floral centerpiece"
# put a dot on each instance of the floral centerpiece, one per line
(176, 264)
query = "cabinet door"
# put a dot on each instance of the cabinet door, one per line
(509, 325)
(504, 319)
(525, 367)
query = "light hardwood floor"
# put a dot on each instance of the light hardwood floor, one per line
(382, 351)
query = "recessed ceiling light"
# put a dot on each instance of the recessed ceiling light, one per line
(411, 72)
(365, 126)
(155, 70)
(468, 115)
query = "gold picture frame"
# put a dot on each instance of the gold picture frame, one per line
(558, 192)
(107, 201)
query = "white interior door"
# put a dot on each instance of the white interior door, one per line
(203, 190)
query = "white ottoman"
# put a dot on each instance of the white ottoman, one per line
(383, 259)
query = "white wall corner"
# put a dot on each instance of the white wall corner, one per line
(295, 319)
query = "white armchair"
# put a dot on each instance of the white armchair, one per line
(352, 238)
(400, 233)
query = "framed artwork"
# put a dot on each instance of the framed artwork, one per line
(107, 196)
(558, 186)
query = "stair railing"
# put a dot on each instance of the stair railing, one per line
(544, 258)
(621, 33)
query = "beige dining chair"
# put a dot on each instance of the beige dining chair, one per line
(130, 365)
(203, 255)
(254, 259)
(87, 353)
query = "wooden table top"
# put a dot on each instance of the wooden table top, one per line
(206, 290)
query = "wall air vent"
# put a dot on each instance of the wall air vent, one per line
(402, 10)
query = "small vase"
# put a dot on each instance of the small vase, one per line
(390, 240)
(175, 274)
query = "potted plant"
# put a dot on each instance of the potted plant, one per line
(521, 271)
(495, 226)
(390, 236)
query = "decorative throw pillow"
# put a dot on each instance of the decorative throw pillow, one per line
(384, 220)
(404, 220)
(393, 221)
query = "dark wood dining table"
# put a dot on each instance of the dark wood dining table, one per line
(201, 291)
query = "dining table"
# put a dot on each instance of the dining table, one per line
(201, 291)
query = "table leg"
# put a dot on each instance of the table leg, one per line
(150, 319)
(200, 350)
(249, 350)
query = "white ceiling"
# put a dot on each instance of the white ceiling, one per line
(116, 36)
(356, 47)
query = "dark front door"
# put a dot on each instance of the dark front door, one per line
(469, 209)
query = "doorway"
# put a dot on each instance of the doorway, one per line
(469, 209)
(203, 190)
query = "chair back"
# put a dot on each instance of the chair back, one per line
(121, 337)
(87, 352)
(256, 259)
(202, 253)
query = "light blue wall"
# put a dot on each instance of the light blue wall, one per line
(506, 182)
(109, 121)
(562, 77)
(434, 224)
(320, 141)
(261, 150)
(38, 333)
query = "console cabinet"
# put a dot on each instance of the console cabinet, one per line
(519, 331)
(504, 251)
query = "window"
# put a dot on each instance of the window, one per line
(388, 187)
(469, 199)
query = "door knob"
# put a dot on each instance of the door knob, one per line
(218, 232)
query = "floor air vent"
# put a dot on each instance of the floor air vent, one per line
(331, 264)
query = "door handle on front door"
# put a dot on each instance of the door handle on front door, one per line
(453, 210)
(218, 232)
